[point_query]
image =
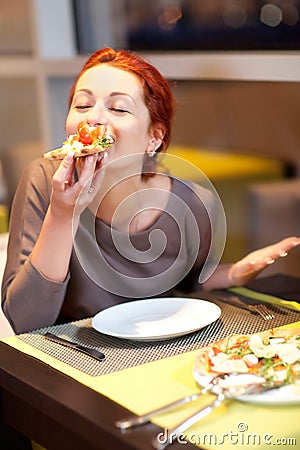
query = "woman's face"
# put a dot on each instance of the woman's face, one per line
(108, 96)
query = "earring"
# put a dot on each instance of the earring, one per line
(151, 153)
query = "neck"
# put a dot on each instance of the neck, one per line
(132, 204)
(121, 200)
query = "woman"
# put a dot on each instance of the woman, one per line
(108, 228)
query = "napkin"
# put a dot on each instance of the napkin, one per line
(279, 285)
(260, 296)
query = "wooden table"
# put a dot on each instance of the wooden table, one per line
(58, 412)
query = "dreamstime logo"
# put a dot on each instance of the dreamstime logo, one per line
(189, 218)
(241, 437)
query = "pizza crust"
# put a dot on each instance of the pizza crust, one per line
(61, 153)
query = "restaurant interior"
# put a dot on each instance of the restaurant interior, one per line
(235, 77)
(234, 67)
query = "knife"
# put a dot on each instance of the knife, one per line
(96, 354)
(223, 393)
(234, 300)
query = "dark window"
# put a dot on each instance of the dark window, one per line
(156, 25)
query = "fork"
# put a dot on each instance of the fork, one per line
(230, 393)
(133, 420)
(262, 310)
(234, 300)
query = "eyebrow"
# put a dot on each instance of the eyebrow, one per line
(87, 91)
(113, 94)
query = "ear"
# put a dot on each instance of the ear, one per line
(156, 135)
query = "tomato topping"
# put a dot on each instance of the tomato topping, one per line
(88, 135)
(216, 350)
(85, 139)
(239, 344)
(82, 128)
(97, 133)
(94, 134)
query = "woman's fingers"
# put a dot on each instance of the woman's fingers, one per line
(102, 159)
(89, 166)
(279, 250)
(87, 171)
(64, 176)
(65, 173)
(70, 196)
(254, 263)
(287, 244)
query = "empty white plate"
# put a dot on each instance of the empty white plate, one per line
(155, 319)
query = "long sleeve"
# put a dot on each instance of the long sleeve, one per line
(29, 300)
(100, 275)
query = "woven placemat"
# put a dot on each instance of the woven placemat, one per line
(121, 354)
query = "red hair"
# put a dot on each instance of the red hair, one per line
(158, 95)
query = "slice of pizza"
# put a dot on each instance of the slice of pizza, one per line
(273, 355)
(87, 141)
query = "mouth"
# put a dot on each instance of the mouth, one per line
(109, 139)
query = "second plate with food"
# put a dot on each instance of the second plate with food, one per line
(156, 319)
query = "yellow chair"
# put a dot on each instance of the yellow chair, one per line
(216, 164)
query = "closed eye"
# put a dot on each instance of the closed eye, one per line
(119, 110)
(82, 107)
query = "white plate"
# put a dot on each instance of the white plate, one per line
(155, 319)
(286, 395)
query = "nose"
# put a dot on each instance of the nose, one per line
(97, 116)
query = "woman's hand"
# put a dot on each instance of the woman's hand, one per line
(243, 271)
(249, 267)
(56, 235)
(68, 192)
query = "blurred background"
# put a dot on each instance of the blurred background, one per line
(234, 66)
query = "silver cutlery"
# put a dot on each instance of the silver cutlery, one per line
(234, 300)
(263, 311)
(96, 354)
(133, 421)
(226, 392)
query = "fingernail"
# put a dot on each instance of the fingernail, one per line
(91, 158)
(70, 155)
(283, 254)
(270, 261)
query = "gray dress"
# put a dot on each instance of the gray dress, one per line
(107, 266)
